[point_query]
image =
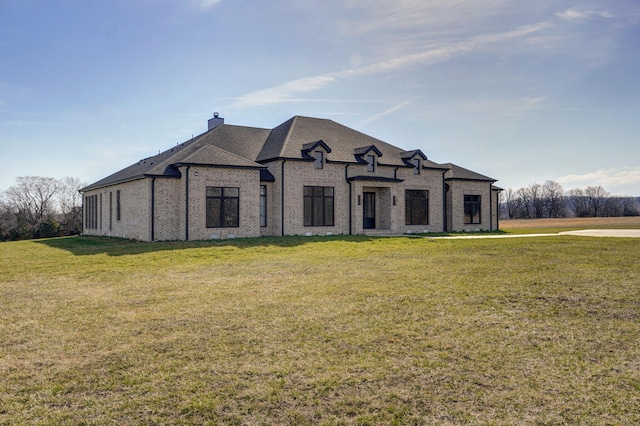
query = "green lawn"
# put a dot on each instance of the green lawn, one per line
(334, 331)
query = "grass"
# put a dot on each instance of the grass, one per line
(530, 226)
(329, 331)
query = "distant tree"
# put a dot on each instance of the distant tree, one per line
(32, 198)
(597, 200)
(70, 205)
(579, 202)
(553, 199)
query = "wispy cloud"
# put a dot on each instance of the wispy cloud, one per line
(575, 14)
(608, 178)
(206, 4)
(387, 112)
(287, 91)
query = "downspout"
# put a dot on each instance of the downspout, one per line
(444, 203)
(490, 209)
(186, 216)
(346, 177)
(153, 208)
(282, 196)
(498, 207)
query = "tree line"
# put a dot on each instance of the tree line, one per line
(550, 200)
(41, 207)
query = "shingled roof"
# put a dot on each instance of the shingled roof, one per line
(238, 146)
(456, 172)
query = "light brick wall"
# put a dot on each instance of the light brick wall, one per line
(455, 205)
(248, 182)
(135, 211)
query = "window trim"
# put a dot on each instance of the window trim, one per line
(371, 163)
(410, 204)
(310, 206)
(221, 222)
(263, 206)
(470, 204)
(319, 159)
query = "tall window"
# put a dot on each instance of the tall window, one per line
(91, 212)
(371, 160)
(263, 205)
(223, 207)
(118, 206)
(416, 166)
(416, 207)
(110, 210)
(318, 155)
(472, 206)
(318, 206)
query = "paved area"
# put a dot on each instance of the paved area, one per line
(624, 233)
(619, 233)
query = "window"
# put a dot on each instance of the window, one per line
(91, 212)
(318, 206)
(318, 155)
(110, 211)
(472, 209)
(263, 205)
(416, 207)
(223, 207)
(416, 166)
(371, 160)
(118, 206)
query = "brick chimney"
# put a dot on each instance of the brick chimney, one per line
(215, 121)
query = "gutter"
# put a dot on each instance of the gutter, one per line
(444, 202)
(153, 208)
(284, 160)
(346, 176)
(186, 217)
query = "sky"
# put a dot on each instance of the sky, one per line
(521, 91)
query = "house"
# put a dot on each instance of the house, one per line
(307, 176)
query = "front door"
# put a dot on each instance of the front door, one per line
(369, 210)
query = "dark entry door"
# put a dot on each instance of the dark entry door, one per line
(369, 210)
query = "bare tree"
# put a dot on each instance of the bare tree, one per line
(579, 202)
(32, 198)
(597, 199)
(70, 204)
(554, 201)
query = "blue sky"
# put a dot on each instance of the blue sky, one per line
(520, 91)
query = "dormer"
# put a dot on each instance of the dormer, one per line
(368, 155)
(316, 152)
(414, 159)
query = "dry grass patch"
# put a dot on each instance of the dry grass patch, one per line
(331, 331)
(565, 224)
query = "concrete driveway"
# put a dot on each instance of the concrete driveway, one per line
(619, 233)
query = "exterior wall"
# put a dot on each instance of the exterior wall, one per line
(455, 205)
(297, 175)
(432, 181)
(135, 211)
(248, 182)
(166, 213)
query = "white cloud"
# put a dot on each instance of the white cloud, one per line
(615, 180)
(575, 14)
(287, 91)
(387, 111)
(206, 4)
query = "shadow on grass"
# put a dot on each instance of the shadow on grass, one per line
(91, 245)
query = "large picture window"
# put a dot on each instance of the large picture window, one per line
(318, 206)
(223, 207)
(472, 206)
(416, 207)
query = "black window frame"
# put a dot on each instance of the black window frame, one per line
(118, 206)
(263, 206)
(319, 159)
(472, 209)
(228, 208)
(371, 163)
(416, 202)
(318, 206)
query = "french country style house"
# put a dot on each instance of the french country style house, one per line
(307, 176)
